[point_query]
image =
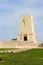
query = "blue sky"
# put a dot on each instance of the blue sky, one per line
(10, 12)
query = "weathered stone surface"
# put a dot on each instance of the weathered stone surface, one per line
(26, 30)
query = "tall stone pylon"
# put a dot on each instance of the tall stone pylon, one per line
(26, 30)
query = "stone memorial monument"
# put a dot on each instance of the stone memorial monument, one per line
(26, 30)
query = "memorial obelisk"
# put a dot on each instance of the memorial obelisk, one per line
(26, 30)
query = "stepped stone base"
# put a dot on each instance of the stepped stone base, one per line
(17, 44)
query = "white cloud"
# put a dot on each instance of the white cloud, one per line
(12, 16)
(13, 12)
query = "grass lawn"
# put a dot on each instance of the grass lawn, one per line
(29, 57)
